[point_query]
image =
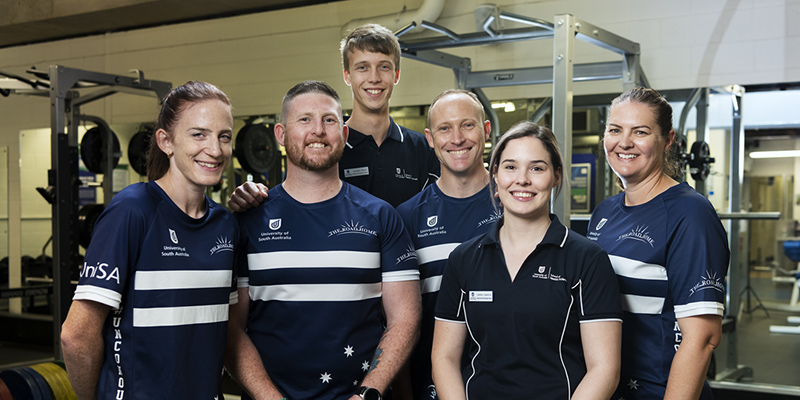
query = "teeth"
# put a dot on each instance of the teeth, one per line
(522, 194)
(459, 152)
(316, 145)
(627, 156)
(207, 165)
(374, 91)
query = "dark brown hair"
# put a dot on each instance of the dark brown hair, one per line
(171, 107)
(371, 38)
(521, 130)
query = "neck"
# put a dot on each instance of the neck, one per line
(520, 232)
(310, 187)
(190, 200)
(646, 190)
(375, 124)
(462, 186)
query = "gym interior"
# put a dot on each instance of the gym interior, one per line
(81, 84)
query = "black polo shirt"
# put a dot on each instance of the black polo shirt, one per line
(524, 336)
(397, 170)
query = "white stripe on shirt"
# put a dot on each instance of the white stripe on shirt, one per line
(99, 295)
(642, 304)
(177, 316)
(435, 253)
(177, 279)
(699, 308)
(316, 292)
(638, 270)
(313, 259)
(431, 284)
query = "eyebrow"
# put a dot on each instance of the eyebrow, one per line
(634, 127)
(531, 162)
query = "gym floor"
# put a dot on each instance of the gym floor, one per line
(773, 357)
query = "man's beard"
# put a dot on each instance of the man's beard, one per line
(298, 158)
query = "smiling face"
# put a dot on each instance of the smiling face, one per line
(199, 144)
(525, 177)
(372, 77)
(313, 132)
(633, 142)
(458, 134)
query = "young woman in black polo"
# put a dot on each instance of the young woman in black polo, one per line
(535, 306)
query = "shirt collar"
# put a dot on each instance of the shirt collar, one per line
(355, 137)
(556, 234)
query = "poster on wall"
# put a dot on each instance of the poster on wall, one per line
(87, 194)
(581, 187)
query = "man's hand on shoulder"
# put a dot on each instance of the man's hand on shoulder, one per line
(248, 195)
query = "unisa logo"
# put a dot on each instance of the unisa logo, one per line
(433, 220)
(275, 224)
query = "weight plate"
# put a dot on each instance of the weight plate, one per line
(93, 149)
(699, 165)
(137, 150)
(41, 383)
(57, 380)
(19, 384)
(256, 148)
(87, 216)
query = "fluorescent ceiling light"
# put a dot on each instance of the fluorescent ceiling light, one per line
(507, 107)
(775, 154)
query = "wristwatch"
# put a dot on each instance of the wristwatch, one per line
(368, 393)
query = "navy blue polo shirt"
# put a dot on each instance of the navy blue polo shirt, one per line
(524, 335)
(397, 170)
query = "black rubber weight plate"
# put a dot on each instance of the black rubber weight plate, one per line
(93, 150)
(256, 148)
(21, 385)
(137, 151)
(41, 384)
(87, 216)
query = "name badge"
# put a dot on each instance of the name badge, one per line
(352, 172)
(476, 296)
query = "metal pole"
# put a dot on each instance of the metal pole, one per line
(563, 51)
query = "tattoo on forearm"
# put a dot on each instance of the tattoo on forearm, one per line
(375, 359)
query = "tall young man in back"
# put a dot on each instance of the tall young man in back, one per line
(385, 159)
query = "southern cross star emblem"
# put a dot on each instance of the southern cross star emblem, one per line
(633, 384)
(348, 351)
(365, 365)
(325, 377)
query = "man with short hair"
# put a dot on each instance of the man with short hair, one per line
(381, 157)
(322, 263)
(385, 159)
(455, 208)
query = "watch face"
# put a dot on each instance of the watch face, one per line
(370, 394)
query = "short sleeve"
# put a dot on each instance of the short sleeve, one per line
(112, 253)
(697, 261)
(599, 290)
(398, 256)
(451, 293)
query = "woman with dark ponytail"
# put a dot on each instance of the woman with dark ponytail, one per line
(150, 313)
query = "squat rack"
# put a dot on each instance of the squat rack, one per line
(61, 84)
(561, 74)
